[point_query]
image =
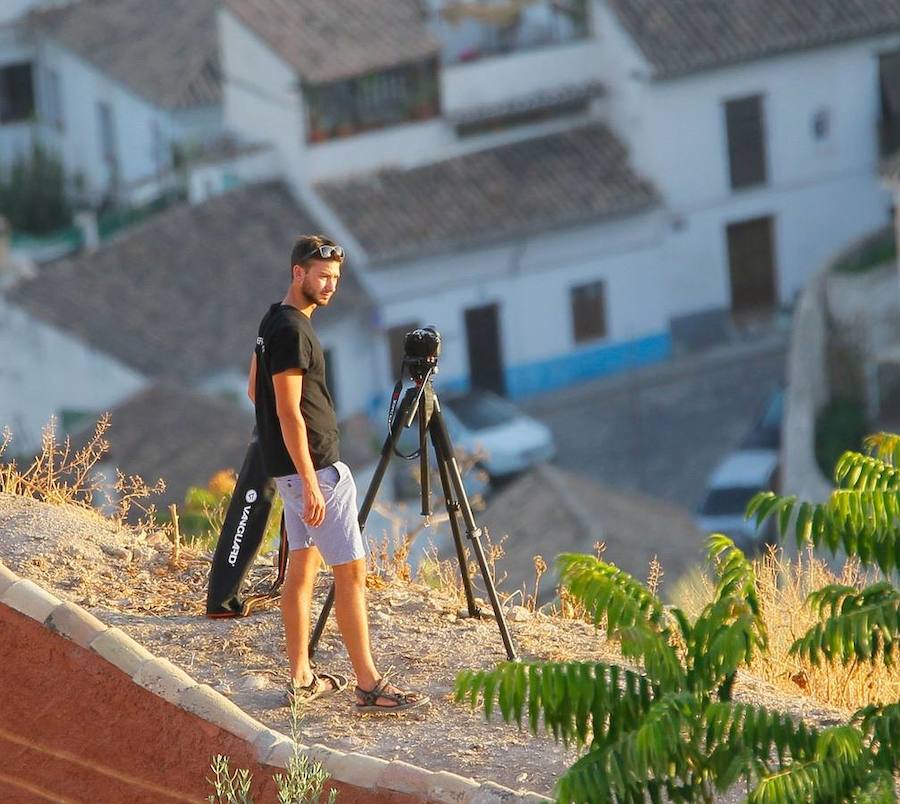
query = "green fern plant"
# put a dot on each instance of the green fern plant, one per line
(862, 518)
(669, 731)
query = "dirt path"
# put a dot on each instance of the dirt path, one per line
(126, 579)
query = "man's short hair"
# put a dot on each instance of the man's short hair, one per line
(304, 250)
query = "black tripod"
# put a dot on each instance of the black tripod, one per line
(421, 401)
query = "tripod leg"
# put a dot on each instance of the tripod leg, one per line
(387, 451)
(444, 450)
(453, 513)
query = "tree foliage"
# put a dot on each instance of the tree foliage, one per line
(33, 193)
(671, 730)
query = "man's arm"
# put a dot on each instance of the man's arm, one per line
(288, 390)
(251, 380)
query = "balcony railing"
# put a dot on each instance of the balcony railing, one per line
(473, 29)
(373, 101)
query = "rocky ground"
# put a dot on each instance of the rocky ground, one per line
(128, 578)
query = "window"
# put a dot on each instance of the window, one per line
(746, 141)
(589, 311)
(107, 132)
(385, 98)
(889, 79)
(16, 93)
(53, 112)
(821, 124)
(395, 336)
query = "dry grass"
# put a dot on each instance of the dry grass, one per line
(61, 475)
(783, 588)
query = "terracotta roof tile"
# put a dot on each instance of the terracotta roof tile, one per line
(181, 436)
(180, 295)
(539, 518)
(166, 51)
(679, 37)
(330, 40)
(569, 178)
(184, 437)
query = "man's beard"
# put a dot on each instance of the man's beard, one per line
(312, 296)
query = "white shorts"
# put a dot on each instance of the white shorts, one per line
(338, 538)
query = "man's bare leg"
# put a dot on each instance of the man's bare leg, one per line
(352, 619)
(296, 601)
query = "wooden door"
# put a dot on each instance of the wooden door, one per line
(485, 351)
(751, 260)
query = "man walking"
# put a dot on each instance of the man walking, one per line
(298, 434)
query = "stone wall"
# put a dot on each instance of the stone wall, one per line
(806, 394)
(88, 714)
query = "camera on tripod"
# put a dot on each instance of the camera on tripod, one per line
(421, 349)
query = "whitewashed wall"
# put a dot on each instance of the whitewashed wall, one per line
(262, 102)
(531, 281)
(11, 9)
(15, 48)
(499, 79)
(353, 343)
(45, 370)
(823, 194)
(135, 122)
(205, 180)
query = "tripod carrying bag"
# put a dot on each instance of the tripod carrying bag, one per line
(241, 538)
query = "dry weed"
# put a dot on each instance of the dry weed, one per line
(540, 567)
(57, 475)
(442, 574)
(61, 475)
(783, 586)
(654, 576)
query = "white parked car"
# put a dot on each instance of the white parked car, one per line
(731, 486)
(509, 441)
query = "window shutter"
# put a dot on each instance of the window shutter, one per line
(746, 141)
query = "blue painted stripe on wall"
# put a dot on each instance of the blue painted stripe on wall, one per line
(586, 364)
(559, 372)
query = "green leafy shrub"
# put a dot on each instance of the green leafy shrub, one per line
(201, 517)
(33, 193)
(303, 782)
(672, 729)
(841, 426)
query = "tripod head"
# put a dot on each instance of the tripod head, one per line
(421, 349)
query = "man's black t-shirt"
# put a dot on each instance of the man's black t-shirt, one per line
(287, 341)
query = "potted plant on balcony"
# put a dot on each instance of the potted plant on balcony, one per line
(425, 100)
(345, 128)
(318, 128)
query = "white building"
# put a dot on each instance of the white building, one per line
(121, 86)
(176, 300)
(390, 128)
(562, 189)
(17, 93)
(760, 124)
(759, 133)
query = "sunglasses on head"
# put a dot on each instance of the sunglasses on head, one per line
(326, 253)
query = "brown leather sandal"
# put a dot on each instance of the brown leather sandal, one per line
(322, 684)
(402, 701)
